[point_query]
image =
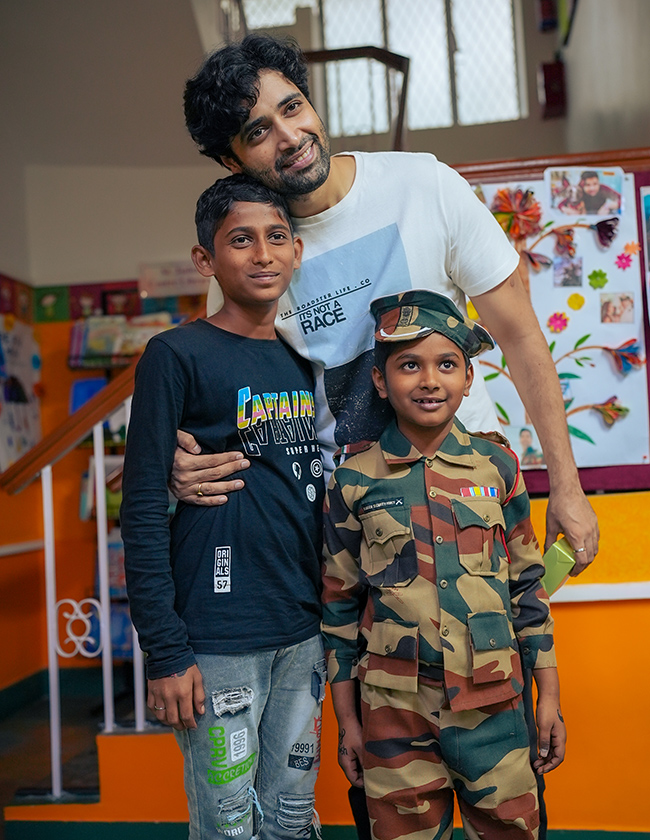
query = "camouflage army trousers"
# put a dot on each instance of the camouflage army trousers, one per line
(418, 752)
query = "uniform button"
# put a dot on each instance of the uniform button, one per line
(443, 584)
(487, 517)
(429, 462)
(379, 532)
(439, 539)
(493, 643)
(432, 493)
(388, 649)
(526, 650)
(445, 631)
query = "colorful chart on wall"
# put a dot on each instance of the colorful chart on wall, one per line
(582, 267)
(20, 366)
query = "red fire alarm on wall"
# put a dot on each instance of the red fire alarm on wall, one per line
(551, 89)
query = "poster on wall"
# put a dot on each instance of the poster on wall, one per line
(578, 236)
(20, 366)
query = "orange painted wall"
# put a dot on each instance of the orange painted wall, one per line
(22, 582)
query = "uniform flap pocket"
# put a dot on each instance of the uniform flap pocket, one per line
(399, 641)
(489, 630)
(483, 512)
(379, 526)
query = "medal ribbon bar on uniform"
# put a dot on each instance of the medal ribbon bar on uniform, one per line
(480, 491)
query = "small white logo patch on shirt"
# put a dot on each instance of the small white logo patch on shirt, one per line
(310, 490)
(222, 568)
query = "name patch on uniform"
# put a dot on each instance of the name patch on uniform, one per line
(386, 503)
(222, 568)
(480, 491)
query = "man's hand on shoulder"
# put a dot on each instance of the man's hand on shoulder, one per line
(202, 479)
(570, 513)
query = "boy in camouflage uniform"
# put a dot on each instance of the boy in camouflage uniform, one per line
(431, 585)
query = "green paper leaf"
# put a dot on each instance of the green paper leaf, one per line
(568, 376)
(491, 376)
(502, 412)
(581, 341)
(551, 347)
(580, 434)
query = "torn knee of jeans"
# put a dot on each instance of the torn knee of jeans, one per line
(231, 700)
(235, 811)
(295, 813)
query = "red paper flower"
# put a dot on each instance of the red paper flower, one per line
(518, 212)
(564, 244)
(611, 410)
(624, 261)
(626, 356)
(606, 231)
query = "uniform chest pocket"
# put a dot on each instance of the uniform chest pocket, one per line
(388, 556)
(479, 534)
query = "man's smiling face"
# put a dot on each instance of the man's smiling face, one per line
(283, 143)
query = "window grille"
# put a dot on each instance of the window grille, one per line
(464, 62)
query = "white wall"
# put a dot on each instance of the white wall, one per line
(608, 74)
(89, 224)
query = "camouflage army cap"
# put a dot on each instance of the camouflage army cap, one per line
(418, 312)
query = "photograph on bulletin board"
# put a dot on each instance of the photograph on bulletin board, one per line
(583, 273)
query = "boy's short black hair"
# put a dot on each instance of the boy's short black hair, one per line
(385, 349)
(219, 98)
(216, 202)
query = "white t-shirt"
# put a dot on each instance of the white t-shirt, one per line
(408, 222)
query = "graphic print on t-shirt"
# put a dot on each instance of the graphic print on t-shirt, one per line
(289, 416)
(325, 315)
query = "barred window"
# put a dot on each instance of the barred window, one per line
(464, 62)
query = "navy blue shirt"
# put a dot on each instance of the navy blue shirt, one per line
(243, 576)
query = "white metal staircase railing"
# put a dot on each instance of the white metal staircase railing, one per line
(79, 613)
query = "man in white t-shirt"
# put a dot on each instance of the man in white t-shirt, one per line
(372, 224)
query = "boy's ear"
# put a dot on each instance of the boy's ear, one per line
(298, 248)
(202, 260)
(469, 378)
(379, 381)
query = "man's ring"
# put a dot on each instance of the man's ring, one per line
(199, 492)
(159, 708)
(579, 549)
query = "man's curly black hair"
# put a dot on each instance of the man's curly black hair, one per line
(219, 98)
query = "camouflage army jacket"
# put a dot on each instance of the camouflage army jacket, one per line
(432, 569)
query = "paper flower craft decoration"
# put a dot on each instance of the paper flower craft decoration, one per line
(518, 212)
(611, 410)
(557, 322)
(627, 356)
(623, 261)
(598, 279)
(575, 301)
(632, 248)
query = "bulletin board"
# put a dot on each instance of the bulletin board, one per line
(583, 258)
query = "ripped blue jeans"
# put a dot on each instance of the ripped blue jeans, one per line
(251, 765)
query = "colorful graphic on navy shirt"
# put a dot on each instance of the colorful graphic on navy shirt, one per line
(289, 416)
(325, 315)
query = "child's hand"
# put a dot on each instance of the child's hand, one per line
(551, 736)
(350, 752)
(174, 699)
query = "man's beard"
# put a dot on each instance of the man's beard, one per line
(303, 181)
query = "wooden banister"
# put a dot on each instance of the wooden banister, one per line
(74, 429)
(389, 59)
